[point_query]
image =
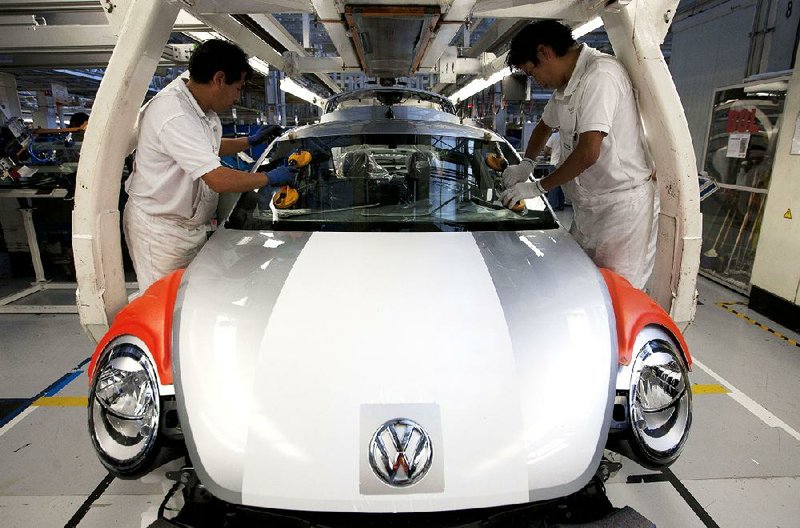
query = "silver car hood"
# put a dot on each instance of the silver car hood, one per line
(291, 348)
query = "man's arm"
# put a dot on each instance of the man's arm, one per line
(231, 146)
(223, 179)
(538, 139)
(263, 135)
(584, 156)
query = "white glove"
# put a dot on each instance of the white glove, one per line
(521, 191)
(519, 173)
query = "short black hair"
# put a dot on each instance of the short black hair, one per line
(219, 55)
(77, 119)
(542, 33)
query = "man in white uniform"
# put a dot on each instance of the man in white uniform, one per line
(604, 164)
(173, 190)
(553, 148)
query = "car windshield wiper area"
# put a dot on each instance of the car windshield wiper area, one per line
(285, 214)
(420, 208)
(487, 204)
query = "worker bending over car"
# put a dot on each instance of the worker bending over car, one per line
(177, 175)
(605, 170)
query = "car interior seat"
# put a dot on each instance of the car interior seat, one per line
(419, 174)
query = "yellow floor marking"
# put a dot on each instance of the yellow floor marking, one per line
(709, 389)
(62, 401)
(727, 307)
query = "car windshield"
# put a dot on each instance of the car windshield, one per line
(390, 182)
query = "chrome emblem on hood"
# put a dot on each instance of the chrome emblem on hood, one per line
(400, 452)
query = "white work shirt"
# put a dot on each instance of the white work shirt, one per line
(554, 144)
(599, 97)
(177, 144)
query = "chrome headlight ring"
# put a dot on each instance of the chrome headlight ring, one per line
(660, 402)
(125, 408)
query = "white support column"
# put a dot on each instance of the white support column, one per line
(9, 96)
(116, 11)
(636, 33)
(96, 219)
(33, 243)
(281, 95)
(45, 116)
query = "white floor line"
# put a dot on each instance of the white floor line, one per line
(7, 427)
(748, 403)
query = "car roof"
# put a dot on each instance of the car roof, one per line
(388, 96)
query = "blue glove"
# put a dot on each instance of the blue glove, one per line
(264, 134)
(281, 176)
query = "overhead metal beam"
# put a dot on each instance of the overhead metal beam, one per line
(331, 20)
(500, 31)
(250, 6)
(569, 10)
(234, 31)
(279, 33)
(449, 25)
(64, 59)
(45, 38)
(46, 6)
(296, 64)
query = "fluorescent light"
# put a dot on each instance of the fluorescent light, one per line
(203, 36)
(477, 85)
(289, 86)
(481, 84)
(588, 27)
(259, 65)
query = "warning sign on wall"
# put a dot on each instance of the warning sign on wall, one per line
(788, 214)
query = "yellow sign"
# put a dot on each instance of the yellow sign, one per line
(788, 214)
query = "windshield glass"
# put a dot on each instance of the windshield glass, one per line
(390, 182)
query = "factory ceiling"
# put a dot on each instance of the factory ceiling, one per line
(308, 40)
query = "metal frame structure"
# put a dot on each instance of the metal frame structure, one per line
(635, 27)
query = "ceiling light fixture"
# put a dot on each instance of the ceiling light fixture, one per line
(477, 85)
(588, 27)
(259, 65)
(289, 86)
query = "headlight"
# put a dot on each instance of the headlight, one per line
(124, 409)
(660, 402)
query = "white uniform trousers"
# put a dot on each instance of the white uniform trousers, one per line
(159, 245)
(618, 230)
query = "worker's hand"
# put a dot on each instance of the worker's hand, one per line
(281, 176)
(521, 191)
(264, 134)
(519, 173)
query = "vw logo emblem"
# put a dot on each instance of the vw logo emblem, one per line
(400, 452)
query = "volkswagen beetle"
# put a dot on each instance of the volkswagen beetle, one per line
(394, 341)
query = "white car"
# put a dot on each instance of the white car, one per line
(396, 341)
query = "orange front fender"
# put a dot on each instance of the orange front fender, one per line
(634, 310)
(149, 318)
